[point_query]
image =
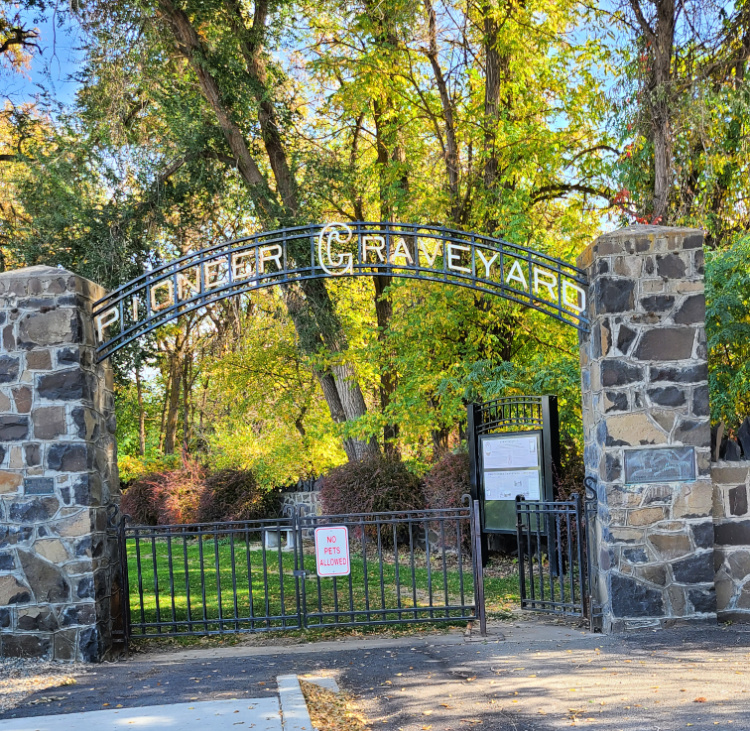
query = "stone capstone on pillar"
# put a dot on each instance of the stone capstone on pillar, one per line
(58, 470)
(645, 387)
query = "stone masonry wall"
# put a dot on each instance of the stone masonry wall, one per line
(732, 547)
(308, 502)
(58, 470)
(644, 377)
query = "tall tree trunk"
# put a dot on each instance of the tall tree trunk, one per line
(173, 403)
(451, 142)
(659, 41)
(491, 110)
(315, 311)
(141, 412)
(388, 152)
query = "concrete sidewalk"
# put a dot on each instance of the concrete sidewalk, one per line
(259, 714)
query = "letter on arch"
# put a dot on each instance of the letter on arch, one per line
(545, 279)
(103, 321)
(401, 252)
(169, 299)
(269, 253)
(515, 274)
(578, 300)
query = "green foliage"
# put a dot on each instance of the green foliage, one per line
(728, 331)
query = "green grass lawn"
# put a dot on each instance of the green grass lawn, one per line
(196, 582)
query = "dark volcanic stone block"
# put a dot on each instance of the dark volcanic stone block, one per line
(691, 374)
(24, 645)
(8, 368)
(668, 396)
(736, 533)
(666, 343)
(657, 303)
(700, 401)
(695, 569)
(703, 534)
(618, 401)
(630, 598)
(617, 373)
(34, 511)
(67, 457)
(703, 600)
(64, 386)
(13, 428)
(614, 295)
(625, 338)
(692, 311)
(731, 451)
(738, 500)
(670, 266)
(91, 645)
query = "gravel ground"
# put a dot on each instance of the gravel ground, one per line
(21, 678)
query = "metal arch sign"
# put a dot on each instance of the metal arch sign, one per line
(409, 251)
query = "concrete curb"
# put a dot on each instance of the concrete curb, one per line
(294, 713)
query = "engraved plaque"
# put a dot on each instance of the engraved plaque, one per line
(659, 464)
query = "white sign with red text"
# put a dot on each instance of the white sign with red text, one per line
(332, 551)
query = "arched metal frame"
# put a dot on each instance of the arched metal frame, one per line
(362, 249)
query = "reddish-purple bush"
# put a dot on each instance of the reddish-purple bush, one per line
(448, 481)
(444, 487)
(139, 501)
(372, 485)
(235, 495)
(190, 494)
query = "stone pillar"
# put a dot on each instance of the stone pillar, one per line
(646, 428)
(58, 470)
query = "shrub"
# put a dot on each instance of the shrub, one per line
(139, 501)
(179, 492)
(235, 495)
(570, 475)
(166, 498)
(372, 485)
(444, 487)
(448, 481)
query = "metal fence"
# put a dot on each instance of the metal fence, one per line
(552, 564)
(260, 576)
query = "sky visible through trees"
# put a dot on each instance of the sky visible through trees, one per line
(139, 131)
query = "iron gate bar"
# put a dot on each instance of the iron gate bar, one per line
(152, 550)
(540, 522)
(205, 293)
(366, 612)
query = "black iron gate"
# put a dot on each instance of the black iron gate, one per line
(260, 576)
(553, 556)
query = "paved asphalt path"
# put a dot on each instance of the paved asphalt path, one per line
(529, 676)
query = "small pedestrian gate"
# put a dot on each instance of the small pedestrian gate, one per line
(553, 559)
(260, 576)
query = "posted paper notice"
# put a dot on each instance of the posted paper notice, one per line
(507, 484)
(510, 452)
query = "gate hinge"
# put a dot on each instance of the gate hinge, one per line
(300, 573)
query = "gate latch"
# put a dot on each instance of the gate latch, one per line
(300, 573)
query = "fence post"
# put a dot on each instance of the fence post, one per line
(476, 526)
(299, 565)
(519, 538)
(125, 579)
